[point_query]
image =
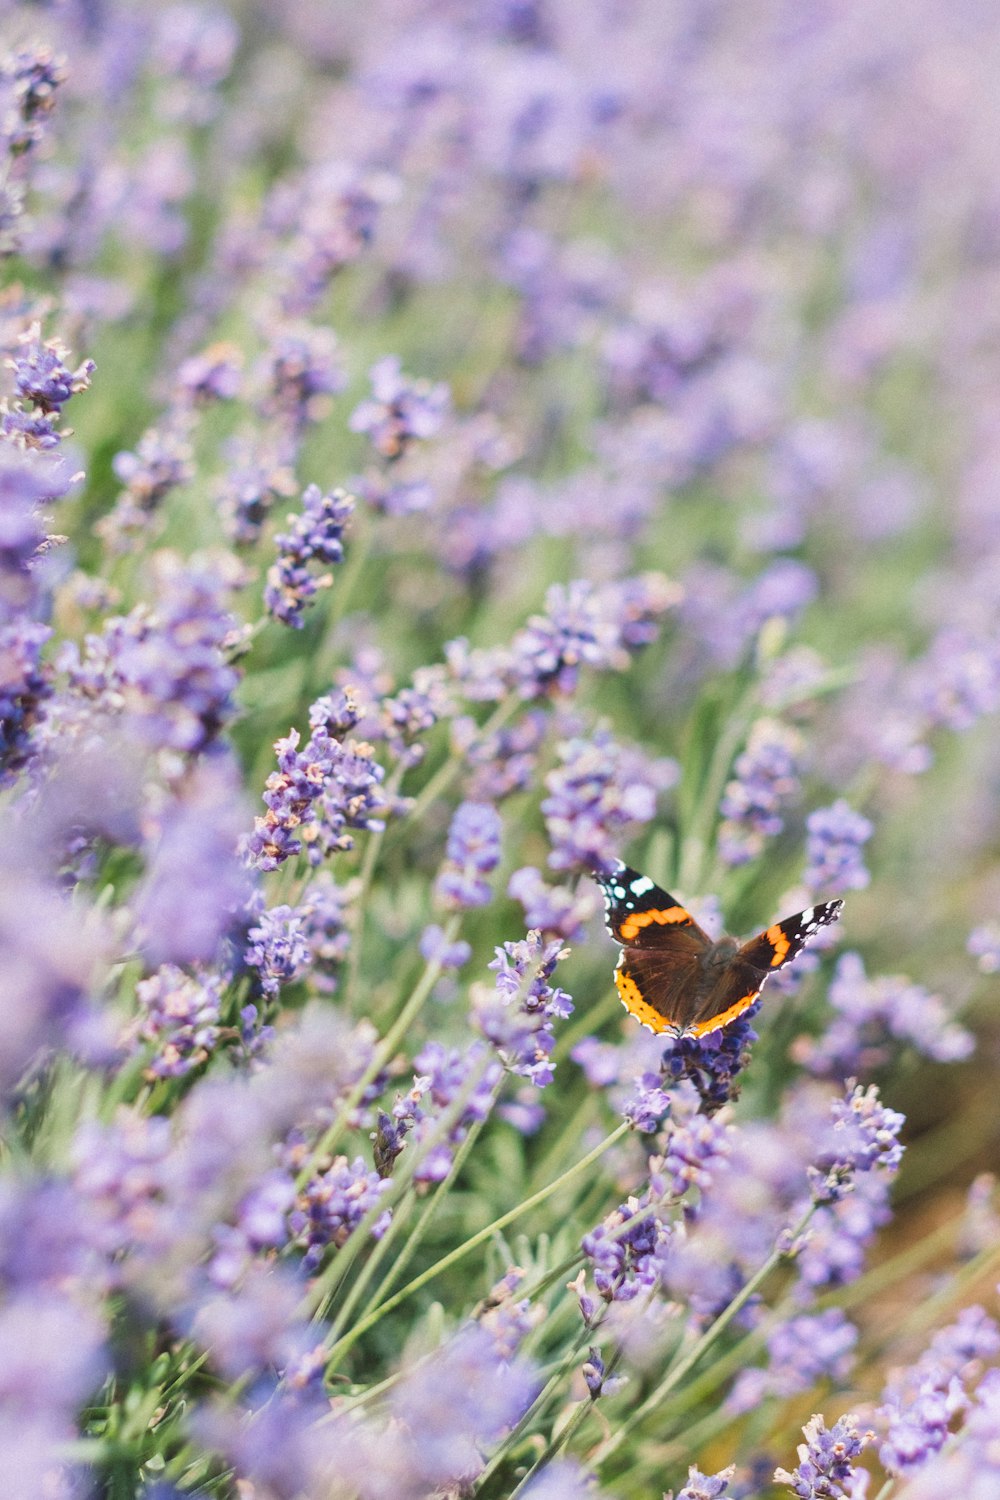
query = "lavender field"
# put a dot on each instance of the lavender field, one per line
(448, 447)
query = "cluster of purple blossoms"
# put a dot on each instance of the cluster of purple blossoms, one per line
(29, 78)
(162, 461)
(922, 1401)
(44, 381)
(863, 1137)
(315, 536)
(800, 1352)
(584, 625)
(400, 410)
(711, 1063)
(968, 1464)
(826, 1460)
(766, 778)
(332, 1205)
(556, 910)
(625, 1253)
(473, 852)
(517, 1017)
(836, 836)
(869, 1014)
(319, 794)
(322, 910)
(179, 1016)
(277, 948)
(302, 370)
(505, 761)
(426, 1114)
(705, 1486)
(596, 796)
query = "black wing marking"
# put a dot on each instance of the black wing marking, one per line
(784, 941)
(640, 914)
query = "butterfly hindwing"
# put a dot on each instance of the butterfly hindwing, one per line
(655, 985)
(640, 914)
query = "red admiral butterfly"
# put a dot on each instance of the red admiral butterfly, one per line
(671, 976)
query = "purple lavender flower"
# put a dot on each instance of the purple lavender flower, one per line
(213, 375)
(195, 885)
(29, 78)
(302, 369)
(563, 1479)
(958, 680)
(331, 1206)
(169, 664)
(711, 1063)
(836, 836)
(448, 1408)
(315, 536)
(626, 1251)
(179, 1016)
(801, 1352)
(869, 1013)
(826, 1469)
(400, 410)
(319, 794)
(162, 461)
(255, 1327)
(600, 790)
(25, 685)
(765, 779)
(445, 1075)
(587, 626)
(503, 762)
(43, 380)
(922, 1401)
(864, 1136)
(277, 948)
(325, 927)
(554, 910)
(704, 1486)
(984, 945)
(518, 1016)
(646, 1108)
(968, 1465)
(473, 851)
(434, 948)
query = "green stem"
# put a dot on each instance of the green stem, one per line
(677, 1373)
(697, 837)
(419, 1230)
(461, 1251)
(368, 863)
(383, 1053)
(446, 773)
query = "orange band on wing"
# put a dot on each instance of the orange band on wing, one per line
(633, 924)
(636, 1005)
(715, 1023)
(779, 943)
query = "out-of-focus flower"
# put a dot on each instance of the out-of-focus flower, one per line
(315, 536)
(836, 837)
(600, 790)
(194, 886)
(473, 851)
(331, 1206)
(984, 945)
(400, 410)
(179, 1015)
(552, 909)
(517, 1016)
(922, 1401)
(869, 1014)
(766, 778)
(801, 1352)
(704, 1486)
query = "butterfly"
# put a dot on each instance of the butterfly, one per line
(671, 976)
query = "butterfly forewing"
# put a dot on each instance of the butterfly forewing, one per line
(640, 914)
(783, 941)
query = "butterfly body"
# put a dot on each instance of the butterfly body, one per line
(671, 976)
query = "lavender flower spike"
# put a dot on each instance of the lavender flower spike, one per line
(473, 852)
(825, 1470)
(314, 536)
